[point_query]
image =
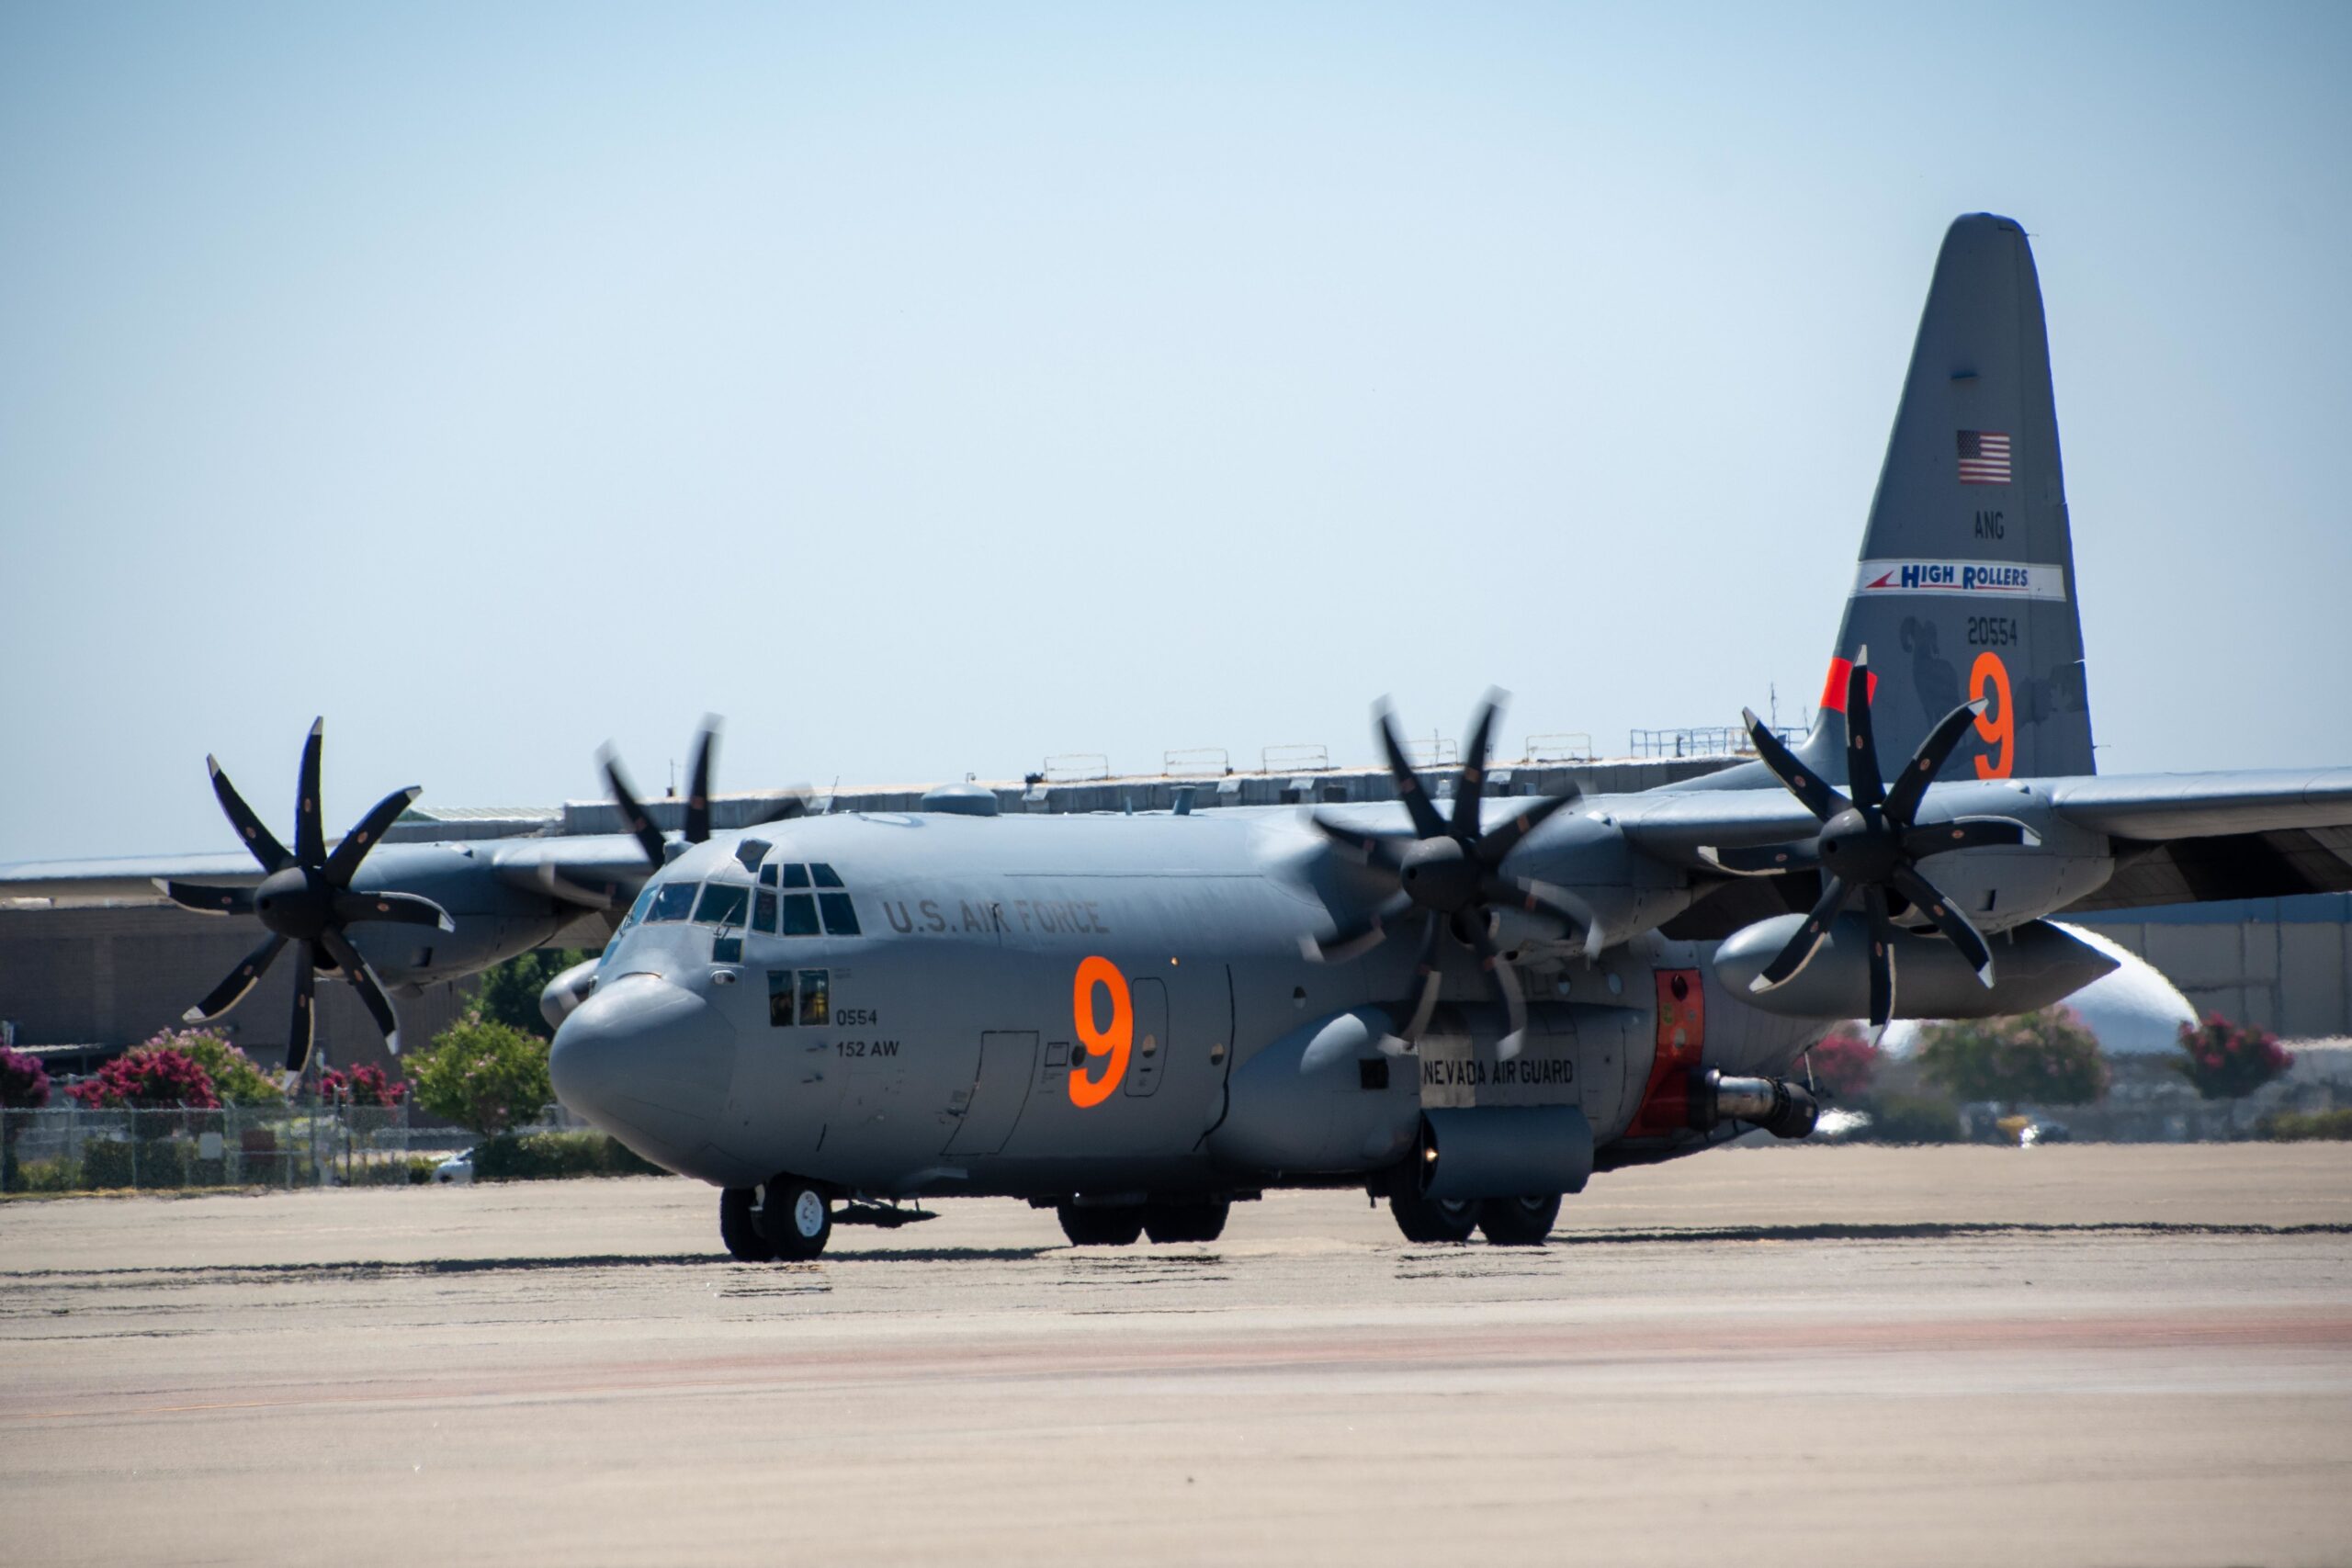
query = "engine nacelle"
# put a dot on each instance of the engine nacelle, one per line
(2034, 964)
(561, 996)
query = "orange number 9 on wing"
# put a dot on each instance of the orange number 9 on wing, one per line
(1110, 1045)
(1998, 724)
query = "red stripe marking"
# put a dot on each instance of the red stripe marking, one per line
(1833, 695)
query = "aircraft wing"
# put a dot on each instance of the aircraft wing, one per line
(1671, 826)
(594, 871)
(2191, 838)
(130, 879)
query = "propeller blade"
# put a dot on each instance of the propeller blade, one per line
(231, 991)
(1761, 860)
(1429, 978)
(1929, 901)
(648, 838)
(298, 1035)
(363, 980)
(1373, 849)
(1800, 950)
(1863, 778)
(259, 841)
(1519, 893)
(366, 835)
(699, 784)
(1903, 801)
(1363, 938)
(1494, 846)
(1427, 823)
(1882, 957)
(1505, 981)
(1801, 781)
(309, 825)
(1472, 787)
(404, 909)
(207, 899)
(788, 810)
(1967, 833)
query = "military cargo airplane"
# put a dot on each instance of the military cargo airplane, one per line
(1466, 1006)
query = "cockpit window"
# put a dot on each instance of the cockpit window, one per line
(767, 875)
(672, 901)
(795, 876)
(799, 915)
(841, 915)
(723, 904)
(825, 876)
(637, 910)
(764, 912)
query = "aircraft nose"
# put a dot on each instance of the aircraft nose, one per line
(648, 1062)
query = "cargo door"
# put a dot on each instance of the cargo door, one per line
(986, 1110)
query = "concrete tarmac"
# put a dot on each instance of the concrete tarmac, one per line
(2085, 1354)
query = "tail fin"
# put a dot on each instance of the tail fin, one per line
(1966, 586)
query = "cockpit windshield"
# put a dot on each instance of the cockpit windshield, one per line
(674, 901)
(723, 904)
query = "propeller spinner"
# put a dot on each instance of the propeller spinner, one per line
(1871, 843)
(1452, 872)
(306, 898)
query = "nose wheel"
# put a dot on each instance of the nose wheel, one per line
(793, 1218)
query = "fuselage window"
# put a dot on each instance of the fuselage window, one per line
(764, 912)
(779, 998)
(816, 1005)
(723, 904)
(841, 915)
(799, 915)
(795, 876)
(672, 901)
(824, 876)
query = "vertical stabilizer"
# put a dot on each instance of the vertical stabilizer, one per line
(1966, 583)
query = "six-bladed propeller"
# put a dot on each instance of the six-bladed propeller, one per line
(1871, 843)
(306, 898)
(1452, 870)
(697, 827)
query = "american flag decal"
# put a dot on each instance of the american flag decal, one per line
(1983, 457)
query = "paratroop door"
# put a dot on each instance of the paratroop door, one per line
(1007, 1062)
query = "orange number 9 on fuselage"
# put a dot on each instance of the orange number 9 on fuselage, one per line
(1997, 727)
(1110, 1045)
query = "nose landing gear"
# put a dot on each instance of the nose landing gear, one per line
(793, 1218)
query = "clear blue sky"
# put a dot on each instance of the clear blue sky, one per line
(931, 388)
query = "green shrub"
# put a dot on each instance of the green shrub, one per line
(2035, 1058)
(543, 1157)
(43, 1176)
(1910, 1119)
(509, 991)
(483, 1076)
(2306, 1126)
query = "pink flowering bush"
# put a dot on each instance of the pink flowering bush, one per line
(2226, 1060)
(1844, 1061)
(24, 1082)
(149, 1077)
(362, 1086)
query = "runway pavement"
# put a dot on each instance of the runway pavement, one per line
(2083, 1354)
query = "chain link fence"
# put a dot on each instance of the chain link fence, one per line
(69, 1149)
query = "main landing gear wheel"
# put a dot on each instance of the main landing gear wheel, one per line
(739, 1227)
(1101, 1227)
(1186, 1222)
(1431, 1219)
(1519, 1222)
(794, 1218)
